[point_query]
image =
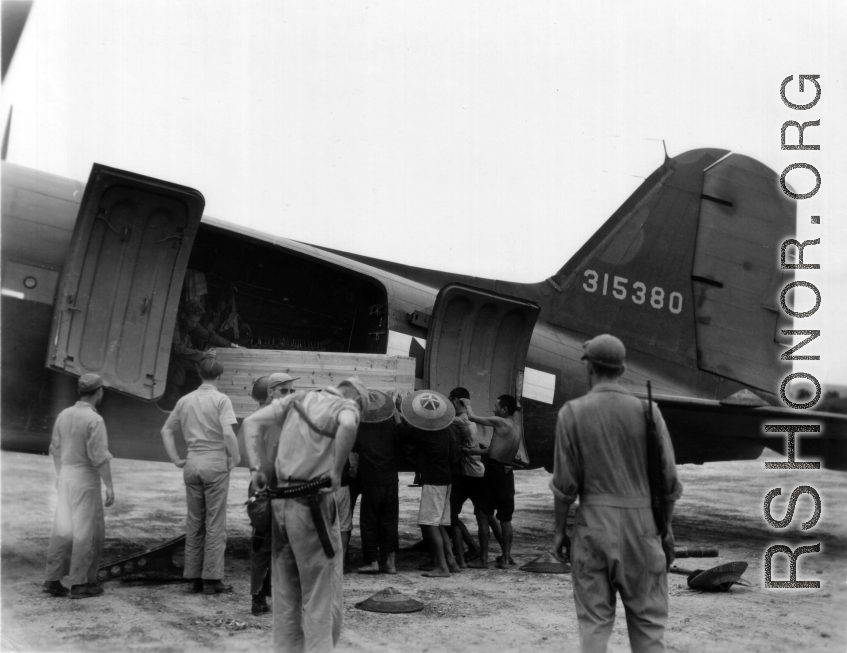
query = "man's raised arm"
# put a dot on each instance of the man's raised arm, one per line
(485, 421)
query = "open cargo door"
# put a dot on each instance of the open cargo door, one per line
(120, 287)
(478, 339)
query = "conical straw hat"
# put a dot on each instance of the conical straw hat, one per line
(380, 407)
(547, 563)
(428, 410)
(390, 600)
(717, 578)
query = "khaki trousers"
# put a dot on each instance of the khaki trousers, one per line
(79, 527)
(306, 584)
(206, 479)
(616, 550)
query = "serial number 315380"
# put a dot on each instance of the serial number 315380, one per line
(638, 294)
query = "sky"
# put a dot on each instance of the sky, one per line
(485, 138)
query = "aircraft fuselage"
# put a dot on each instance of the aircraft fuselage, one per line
(39, 213)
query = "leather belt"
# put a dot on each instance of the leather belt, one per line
(311, 491)
(294, 491)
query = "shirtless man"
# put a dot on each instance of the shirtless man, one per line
(499, 477)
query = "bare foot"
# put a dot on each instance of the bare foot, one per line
(477, 564)
(428, 566)
(501, 565)
(511, 560)
(454, 568)
(437, 573)
(372, 568)
(462, 564)
(388, 569)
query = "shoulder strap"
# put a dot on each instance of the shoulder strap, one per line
(302, 412)
(285, 412)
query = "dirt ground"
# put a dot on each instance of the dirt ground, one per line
(476, 610)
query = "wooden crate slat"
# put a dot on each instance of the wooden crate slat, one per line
(315, 369)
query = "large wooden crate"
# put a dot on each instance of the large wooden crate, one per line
(315, 369)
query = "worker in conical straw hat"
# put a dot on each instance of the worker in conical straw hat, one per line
(377, 445)
(428, 424)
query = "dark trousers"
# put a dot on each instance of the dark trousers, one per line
(378, 517)
(260, 566)
(260, 560)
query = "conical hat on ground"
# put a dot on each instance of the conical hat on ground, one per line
(547, 563)
(390, 600)
(380, 407)
(428, 410)
(719, 578)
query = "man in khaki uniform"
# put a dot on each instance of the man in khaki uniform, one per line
(318, 430)
(265, 390)
(205, 418)
(80, 450)
(601, 456)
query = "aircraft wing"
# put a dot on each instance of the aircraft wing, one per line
(705, 430)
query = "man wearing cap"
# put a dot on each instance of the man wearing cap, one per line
(600, 456)
(80, 451)
(376, 445)
(205, 418)
(265, 389)
(318, 430)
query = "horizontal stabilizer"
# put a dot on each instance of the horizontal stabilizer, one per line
(705, 430)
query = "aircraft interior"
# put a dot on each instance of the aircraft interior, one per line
(282, 300)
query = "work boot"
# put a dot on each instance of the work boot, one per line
(85, 591)
(215, 587)
(196, 585)
(260, 605)
(54, 588)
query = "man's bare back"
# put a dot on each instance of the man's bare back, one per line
(505, 440)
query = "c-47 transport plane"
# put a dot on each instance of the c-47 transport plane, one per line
(686, 272)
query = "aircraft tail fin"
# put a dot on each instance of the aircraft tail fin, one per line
(687, 269)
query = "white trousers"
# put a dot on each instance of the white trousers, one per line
(79, 527)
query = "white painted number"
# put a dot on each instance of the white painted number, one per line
(619, 288)
(639, 291)
(592, 277)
